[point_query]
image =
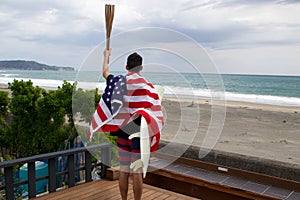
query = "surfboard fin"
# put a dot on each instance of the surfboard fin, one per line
(136, 165)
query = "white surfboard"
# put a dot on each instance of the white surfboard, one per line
(144, 136)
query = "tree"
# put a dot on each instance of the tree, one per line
(4, 100)
(42, 120)
(85, 102)
(23, 109)
(50, 132)
(39, 118)
(64, 95)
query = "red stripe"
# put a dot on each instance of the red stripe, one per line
(124, 158)
(161, 118)
(152, 124)
(101, 114)
(109, 128)
(142, 104)
(142, 92)
(156, 145)
(94, 123)
(154, 128)
(150, 85)
(136, 81)
(156, 108)
(124, 149)
(135, 150)
(122, 141)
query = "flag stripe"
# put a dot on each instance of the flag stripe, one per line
(144, 98)
(140, 104)
(142, 92)
(141, 87)
(137, 81)
(100, 113)
(140, 98)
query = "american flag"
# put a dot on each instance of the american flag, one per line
(124, 99)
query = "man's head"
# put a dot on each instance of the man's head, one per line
(134, 62)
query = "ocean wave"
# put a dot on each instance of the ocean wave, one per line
(178, 92)
(263, 99)
(53, 84)
(8, 75)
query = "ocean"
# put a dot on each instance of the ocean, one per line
(265, 89)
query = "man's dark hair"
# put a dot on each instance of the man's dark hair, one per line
(134, 61)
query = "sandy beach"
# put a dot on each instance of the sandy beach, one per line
(259, 130)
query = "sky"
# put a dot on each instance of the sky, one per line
(239, 36)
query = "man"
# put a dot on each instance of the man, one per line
(125, 101)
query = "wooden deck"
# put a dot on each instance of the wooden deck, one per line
(105, 189)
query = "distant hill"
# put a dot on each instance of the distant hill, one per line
(29, 65)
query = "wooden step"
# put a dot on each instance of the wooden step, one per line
(209, 181)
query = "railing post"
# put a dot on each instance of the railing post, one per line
(109, 149)
(9, 183)
(88, 167)
(32, 190)
(31, 180)
(71, 170)
(52, 175)
(105, 159)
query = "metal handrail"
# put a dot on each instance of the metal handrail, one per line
(8, 168)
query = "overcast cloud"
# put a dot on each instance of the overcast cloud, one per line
(241, 36)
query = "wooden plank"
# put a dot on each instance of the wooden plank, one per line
(112, 173)
(88, 166)
(253, 176)
(164, 191)
(199, 188)
(9, 183)
(71, 170)
(104, 189)
(52, 175)
(148, 193)
(31, 179)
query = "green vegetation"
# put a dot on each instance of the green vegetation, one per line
(35, 121)
(4, 101)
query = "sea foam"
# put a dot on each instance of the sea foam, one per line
(178, 92)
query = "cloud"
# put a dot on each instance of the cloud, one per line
(74, 26)
(288, 1)
(268, 59)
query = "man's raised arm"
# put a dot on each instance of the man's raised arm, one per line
(105, 70)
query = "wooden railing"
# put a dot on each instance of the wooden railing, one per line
(10, 184)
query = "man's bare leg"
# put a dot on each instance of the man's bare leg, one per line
(123, 181)
(137, 178)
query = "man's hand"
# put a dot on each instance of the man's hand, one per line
(105, 71)
(106, 53)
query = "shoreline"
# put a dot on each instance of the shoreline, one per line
(270, 132)
(184, 93)
(226, 103)
(252, 129)
(238, 104)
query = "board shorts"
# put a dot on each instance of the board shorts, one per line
(128, 150)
